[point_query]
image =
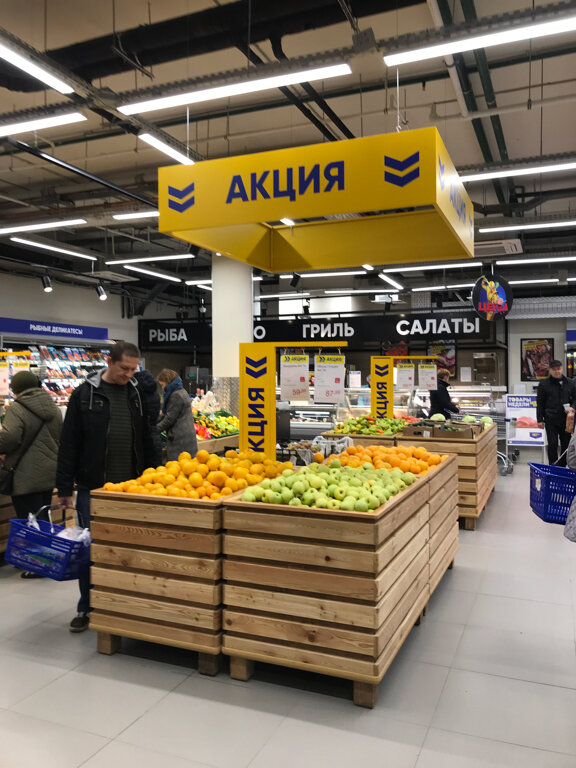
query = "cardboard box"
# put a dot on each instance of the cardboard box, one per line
(464, 432)
(417, 430)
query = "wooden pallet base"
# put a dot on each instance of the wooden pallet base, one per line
(208, 663)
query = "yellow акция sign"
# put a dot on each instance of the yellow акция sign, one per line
(258, 398)
(382, 387)
(418, 209)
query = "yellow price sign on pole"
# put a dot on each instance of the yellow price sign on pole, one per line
(382, 387)
(258, 398)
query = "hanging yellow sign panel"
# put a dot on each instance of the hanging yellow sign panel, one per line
(388, 198)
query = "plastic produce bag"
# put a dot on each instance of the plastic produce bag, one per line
(75, 533)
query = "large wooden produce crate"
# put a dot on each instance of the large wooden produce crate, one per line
(477, 468)
(332, 592)
(156, 573)
(443, 543)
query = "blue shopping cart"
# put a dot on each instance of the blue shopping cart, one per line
(552, 490)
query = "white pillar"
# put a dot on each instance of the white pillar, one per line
(231, 314)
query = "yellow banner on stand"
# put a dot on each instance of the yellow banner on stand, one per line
(252, 207)
(382, 387)
(258, 398)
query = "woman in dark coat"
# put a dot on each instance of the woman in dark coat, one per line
(440, 401)
(176, 420)
(33, 422)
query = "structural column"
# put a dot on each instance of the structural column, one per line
(232, 307)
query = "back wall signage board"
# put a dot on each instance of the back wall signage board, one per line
(48, 328)
(175, 335)
(405, 180)
(355, 330)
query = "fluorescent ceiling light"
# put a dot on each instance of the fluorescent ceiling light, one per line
(174, 257)
(151, 272)
(45, 247)
(288, 222)
(390, 281)
(140, 215)
(512, 262)
(506, 172)
(11, 129)
(165, 148)
(47, 225)
(462, 285)
(236, 89)
(198, 282)
(530, 282)
(546, 225)
(459, 265)
(430, 288)
(528, 32)
(325, 274)
(257, 278)
(205, 287)
(367, 267)
(262, 297)
(374, 290)
(27, 66)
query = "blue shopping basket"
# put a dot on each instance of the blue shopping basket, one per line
(44, 553)
(552, 490)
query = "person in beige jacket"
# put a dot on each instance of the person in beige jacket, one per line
(33, 416)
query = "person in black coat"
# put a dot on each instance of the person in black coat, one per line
(440, 401)
(151, 407)
(555, 397)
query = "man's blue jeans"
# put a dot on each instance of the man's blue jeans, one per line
(83, 514)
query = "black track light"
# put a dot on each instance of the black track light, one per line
(47, 283)
(102, 295)
(295, 280)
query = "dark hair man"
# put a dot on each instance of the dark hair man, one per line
(106, 437)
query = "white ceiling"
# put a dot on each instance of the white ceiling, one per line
(367, 102)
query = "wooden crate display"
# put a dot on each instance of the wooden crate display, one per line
(328, 591)
(477, 468)
(156, 573)
(443, 543)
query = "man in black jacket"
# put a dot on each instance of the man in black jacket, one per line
(555, 398)
(440, 400)
(106, 437)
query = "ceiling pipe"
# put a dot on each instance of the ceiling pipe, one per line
(449, 60)
(508, 109)
(470, 100)
(470, 15)
(23, 147)
(529, 205)
(278, 51)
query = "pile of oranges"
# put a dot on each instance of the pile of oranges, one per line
(206, 476)
(408, 458)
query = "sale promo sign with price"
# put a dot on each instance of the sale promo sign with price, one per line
(329, 375)
(405, 376)
(294, 383)
(428, 376)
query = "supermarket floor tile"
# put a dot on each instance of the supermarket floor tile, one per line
(28, 742)
(488, 680)
(306, 745)
(119, 755)
(453, 750)
(514, 711)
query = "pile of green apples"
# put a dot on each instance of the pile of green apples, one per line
(369, 425)
(332, 486)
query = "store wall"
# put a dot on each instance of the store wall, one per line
(23, 298)
(532, 329)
